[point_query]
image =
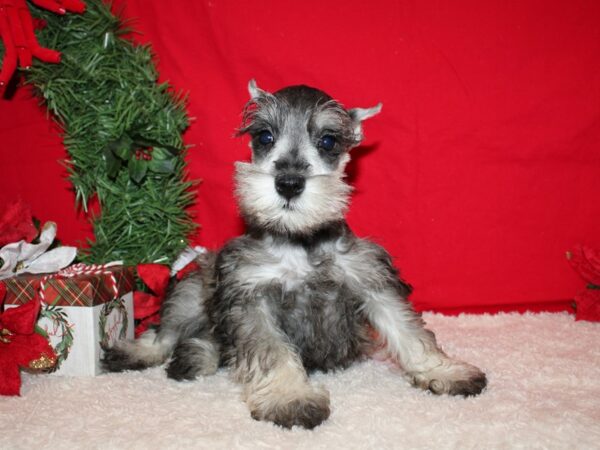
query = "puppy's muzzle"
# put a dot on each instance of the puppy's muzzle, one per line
(289, 185)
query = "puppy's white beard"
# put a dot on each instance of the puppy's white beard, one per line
(324, 199)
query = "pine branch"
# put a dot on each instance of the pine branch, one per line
(106, 97)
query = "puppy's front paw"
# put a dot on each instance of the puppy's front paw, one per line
(308, 410)
(453, 378)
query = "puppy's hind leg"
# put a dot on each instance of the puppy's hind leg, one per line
(194, 356)
(416, 350)
(183, 316)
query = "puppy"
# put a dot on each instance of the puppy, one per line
(298, 291)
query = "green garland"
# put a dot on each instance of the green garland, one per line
(122, 131)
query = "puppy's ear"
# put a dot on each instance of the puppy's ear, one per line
(360, 114)
(254, 90)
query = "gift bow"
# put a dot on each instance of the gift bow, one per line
(24, 257)
(20, 346)
(146, 305)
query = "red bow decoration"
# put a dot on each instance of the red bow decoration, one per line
(146, 306)
(191, 267)
(16, 31)
(20, 346)
(586, 262)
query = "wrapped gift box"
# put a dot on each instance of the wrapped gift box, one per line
(80, 313)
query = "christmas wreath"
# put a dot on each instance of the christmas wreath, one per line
(59, 321)
(122, 129)
(118, 305)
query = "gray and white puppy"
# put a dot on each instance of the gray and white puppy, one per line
(299, 291)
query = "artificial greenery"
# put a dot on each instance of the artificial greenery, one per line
(122, 131)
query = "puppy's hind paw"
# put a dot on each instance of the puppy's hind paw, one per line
(118, 359)
(455, 378)
(469, 387)
(308, 411)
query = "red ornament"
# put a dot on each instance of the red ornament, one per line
(20, 346)
(16, 31)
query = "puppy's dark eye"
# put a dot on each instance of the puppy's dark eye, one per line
(265, 137)
(327, 142)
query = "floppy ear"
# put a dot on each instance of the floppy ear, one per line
(360, 114)
(254, 90)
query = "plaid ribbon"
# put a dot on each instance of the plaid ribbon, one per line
(78, 285)
(83, 269)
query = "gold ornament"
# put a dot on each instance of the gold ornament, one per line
(3, 335)
(43, 362)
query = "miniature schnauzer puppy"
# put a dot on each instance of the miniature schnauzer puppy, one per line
(298, 291)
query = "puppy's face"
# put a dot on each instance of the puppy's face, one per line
(300, 140)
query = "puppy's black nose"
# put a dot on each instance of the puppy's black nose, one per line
(289, 185)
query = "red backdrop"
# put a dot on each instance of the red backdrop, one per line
(482, 169)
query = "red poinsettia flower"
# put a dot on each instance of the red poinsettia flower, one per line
(16, 223)
(588, 305)
(17, 33)
(20, 346)
(586, 262)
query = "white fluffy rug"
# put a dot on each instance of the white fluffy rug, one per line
(544, 392)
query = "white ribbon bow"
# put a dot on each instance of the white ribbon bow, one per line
(23, 257)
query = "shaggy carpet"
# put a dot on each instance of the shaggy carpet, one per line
(544, 392)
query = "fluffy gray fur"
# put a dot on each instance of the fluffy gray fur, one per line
(299, 291)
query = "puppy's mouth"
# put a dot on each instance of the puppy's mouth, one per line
(324, 198)
(289, 206)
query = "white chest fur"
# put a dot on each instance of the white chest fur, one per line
(286, 264)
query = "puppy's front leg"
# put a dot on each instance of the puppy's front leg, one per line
(276, 386)
(415, 347)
